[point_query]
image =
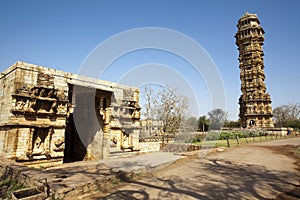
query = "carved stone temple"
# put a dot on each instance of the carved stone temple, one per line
(50, 116)
(255, 103)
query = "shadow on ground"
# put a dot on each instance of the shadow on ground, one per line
(209, 179)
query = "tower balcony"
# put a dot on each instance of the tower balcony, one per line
(264, 98)
(249, 74)
(253, 48)
(252, 53)
(240, 38)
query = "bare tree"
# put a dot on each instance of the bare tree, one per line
(286, 113)
(217, 118)
(173, 106)
(149, 101)
(190, 124)
(166, 104)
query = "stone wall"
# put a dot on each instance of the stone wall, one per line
(150, 146)
(7, 82)
(283, 131)
(175, 147)
(41, 106)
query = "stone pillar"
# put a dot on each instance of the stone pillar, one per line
(106, 136)
(47, 141)
(30, 136)
(88, 155)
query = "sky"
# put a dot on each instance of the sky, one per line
(62, 34)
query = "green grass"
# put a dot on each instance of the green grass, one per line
(11, 184)
(233, 142)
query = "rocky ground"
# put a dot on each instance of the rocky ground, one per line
(266, 170)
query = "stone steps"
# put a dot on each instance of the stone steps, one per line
(122, 154)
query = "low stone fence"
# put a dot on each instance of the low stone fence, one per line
(281, 131)
(153, 143)
(160, 138)
(149, 146)
(173, 147)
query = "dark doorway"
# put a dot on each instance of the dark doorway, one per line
(84, 123)
(74, 148)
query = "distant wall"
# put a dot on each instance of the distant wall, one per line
(149, 146)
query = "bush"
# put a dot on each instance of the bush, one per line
(197, 139)
(190, 138)
(212, 135)
(226, 135)
(239, 134)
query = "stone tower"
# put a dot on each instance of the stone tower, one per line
(255, 103)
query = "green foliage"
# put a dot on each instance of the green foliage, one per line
(11, 185)
(226, 135)
(197, 139)
(217, 118)
(203, 124)
(238, 134)
(231, 138)
(193, 138)
(262, 133)
(292, 123)
(232, 124)
(212, 135)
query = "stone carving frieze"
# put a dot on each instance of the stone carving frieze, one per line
(59, 144)
(40, 100)
(45, 80)
(40, 143)
(23, 90)
(130, 109)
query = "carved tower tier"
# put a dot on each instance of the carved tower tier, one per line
(255, 103)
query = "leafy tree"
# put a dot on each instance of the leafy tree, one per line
(226, 136)
(217, 118)
(203, 123)
(232, 124)
(292, 123)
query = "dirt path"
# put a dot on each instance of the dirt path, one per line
(255, 171)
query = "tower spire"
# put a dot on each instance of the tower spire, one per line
(255, 103)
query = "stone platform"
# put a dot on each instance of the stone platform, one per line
(80, 178)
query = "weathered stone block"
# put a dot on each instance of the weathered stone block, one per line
(48, 115)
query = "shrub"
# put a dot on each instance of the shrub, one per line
(212, 135)
(226, 135)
